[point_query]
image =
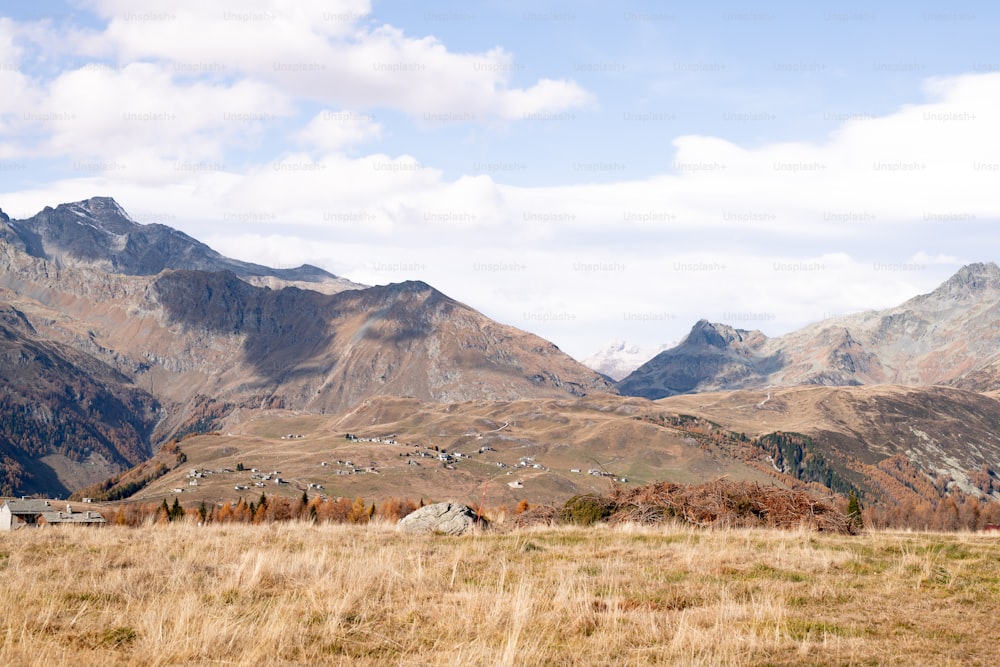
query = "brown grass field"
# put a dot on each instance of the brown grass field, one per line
(299, 594)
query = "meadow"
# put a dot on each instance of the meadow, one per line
(303, 594)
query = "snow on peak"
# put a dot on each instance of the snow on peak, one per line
(618, 358)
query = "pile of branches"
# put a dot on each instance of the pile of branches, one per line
(539, 515)
(725, 503)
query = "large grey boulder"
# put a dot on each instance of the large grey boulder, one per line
(444, 518)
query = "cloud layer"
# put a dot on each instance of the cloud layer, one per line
(259, 129)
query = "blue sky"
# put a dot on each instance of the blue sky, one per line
(586, 171)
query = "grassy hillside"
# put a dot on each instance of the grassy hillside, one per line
(541, 451)
(300, 594)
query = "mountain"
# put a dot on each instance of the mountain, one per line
(326, 353)
(617, 359)
(949, 336)
(98, 232)
(204, 342)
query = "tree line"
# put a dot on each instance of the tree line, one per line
(265, 509)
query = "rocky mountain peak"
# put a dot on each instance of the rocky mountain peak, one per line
(102, 213)
(719, 335)
(973, 283)
(972, 279)
(99, 232)
(409, 287)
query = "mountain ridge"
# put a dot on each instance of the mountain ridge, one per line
(99, 232)
(947, 336)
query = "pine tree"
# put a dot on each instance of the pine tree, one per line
(854, 510)
(176, 511)
(203, 512)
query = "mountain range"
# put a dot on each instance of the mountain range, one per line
(117, 338)
(147, 311)
(949, 336)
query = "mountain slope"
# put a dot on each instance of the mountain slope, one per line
(949, 336)
(539, 450)
(327, 352)
(65, 418)
(907, 452)
(904, 444)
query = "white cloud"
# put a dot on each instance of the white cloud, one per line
(137, 118)
(710, 229)
(331, 131)
(326, 51)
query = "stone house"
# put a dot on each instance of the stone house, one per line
(25, 513)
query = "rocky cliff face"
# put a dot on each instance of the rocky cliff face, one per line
(949, 336)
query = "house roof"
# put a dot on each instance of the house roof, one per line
(75, 517)
(27, 506)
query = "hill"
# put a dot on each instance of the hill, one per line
(541, 450)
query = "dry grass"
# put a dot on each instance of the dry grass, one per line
(295, 594)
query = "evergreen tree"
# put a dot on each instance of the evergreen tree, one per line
(854, 510)
(176, 511)
(203, 512)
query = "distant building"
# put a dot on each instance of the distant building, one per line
(17, 514)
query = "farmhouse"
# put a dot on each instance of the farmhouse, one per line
(16, 514)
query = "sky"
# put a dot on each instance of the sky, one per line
(587, 171)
